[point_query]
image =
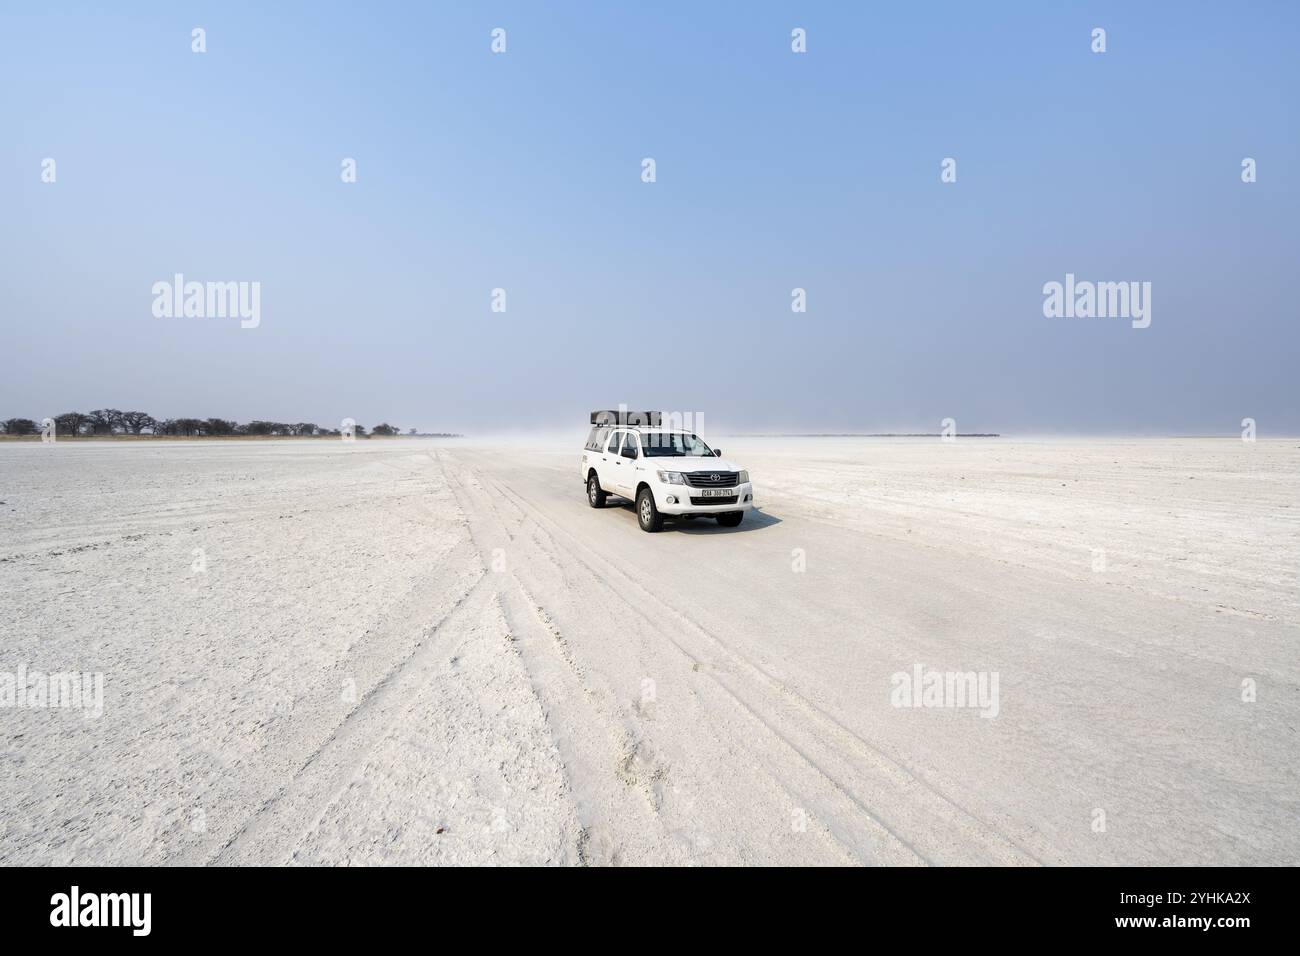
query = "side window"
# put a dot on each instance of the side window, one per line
(629, 446)
(596, 440)
(613, 442)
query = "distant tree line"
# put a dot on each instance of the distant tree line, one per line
(110, 421)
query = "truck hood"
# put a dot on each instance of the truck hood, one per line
(692, 464)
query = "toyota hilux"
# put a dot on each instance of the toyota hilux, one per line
(663, 471)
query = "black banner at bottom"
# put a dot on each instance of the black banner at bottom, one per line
(337, 906)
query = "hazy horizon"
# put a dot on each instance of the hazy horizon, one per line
(774, 171)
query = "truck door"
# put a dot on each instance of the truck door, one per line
(607, 467)
(630, 456)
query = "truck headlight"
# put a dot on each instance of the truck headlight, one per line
(671, 478)
(744, 477)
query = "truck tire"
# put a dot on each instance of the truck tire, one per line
(595, 497)
(647, 515)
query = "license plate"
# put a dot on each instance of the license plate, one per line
(717, 492)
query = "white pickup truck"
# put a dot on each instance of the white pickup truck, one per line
(664, 471)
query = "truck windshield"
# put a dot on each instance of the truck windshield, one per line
(674, 445)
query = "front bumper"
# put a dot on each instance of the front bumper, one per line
(682, 503)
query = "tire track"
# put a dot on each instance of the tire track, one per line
(870, 840)
(270, 833)
(905, 790)
(620, 819)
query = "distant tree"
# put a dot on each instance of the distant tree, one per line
(136, 422)
(97, 422)
(304, 428)
(410, 431)
(359, 431)
(268, 428)
(105, 421)
(20, 426)
(70, 423)
(384, 429)
(189, 427)
(219, 426)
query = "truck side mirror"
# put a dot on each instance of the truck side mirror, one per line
(717, 453)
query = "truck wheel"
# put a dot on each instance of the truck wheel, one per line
(646, 512)
(731, 518)
(595, 497)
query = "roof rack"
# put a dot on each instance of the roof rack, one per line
(623, 417)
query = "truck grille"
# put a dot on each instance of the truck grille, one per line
(731, 500)
(712, 479)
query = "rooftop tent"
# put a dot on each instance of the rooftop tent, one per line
(624, 417)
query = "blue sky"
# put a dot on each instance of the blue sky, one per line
(775, 170)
